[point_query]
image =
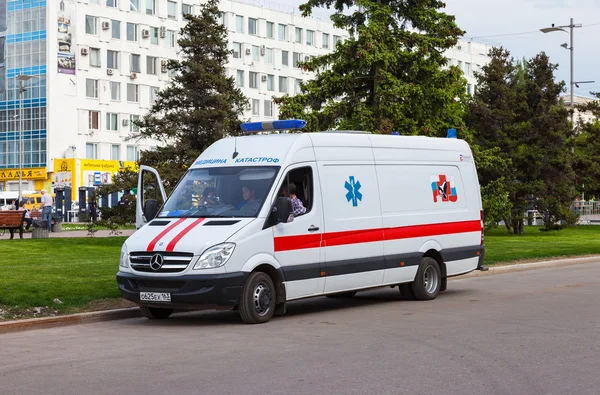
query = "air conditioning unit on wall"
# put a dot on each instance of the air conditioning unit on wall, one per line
(145, 33)
(126, 122)
(84, 51)
(105, 25)
(163, 32)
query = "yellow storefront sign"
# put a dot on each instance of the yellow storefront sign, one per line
(38, 173)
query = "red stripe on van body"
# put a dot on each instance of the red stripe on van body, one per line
(288, 243)
(173, 243)
(300, 242)
(163, 233)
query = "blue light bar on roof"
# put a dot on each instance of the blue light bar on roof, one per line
(273, 125)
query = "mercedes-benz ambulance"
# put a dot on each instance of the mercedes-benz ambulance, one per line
(261, 220)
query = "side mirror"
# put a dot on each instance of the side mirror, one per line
(282, 211)
(150, 209)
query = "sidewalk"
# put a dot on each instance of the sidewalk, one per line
(71, 233)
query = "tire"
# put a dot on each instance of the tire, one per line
(428, 281)
(155, 313)
(342, 295)
(258, 300)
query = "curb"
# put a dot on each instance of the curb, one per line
(134, 312)
(71, 319)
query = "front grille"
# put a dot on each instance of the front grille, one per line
(155, 285)
(173, 262)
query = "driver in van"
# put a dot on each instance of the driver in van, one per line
(249, 195)
(209, 196)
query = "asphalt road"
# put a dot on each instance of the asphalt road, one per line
(535, 332)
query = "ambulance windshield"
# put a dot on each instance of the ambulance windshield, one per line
(238, 191)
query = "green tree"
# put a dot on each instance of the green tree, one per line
(389, 75)
(587, 150)
(200, 105)
(518, 111)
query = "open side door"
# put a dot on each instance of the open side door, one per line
(150, 196)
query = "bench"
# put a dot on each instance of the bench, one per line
(12, 220)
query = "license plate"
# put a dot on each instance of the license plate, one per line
(155, 296)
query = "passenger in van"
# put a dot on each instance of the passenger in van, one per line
(249, 195)
(209, 196)
(297, 206)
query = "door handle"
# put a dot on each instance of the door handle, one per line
(313, 228)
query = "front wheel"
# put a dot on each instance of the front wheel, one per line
(428, 280)
(155, 313)
(257, 303)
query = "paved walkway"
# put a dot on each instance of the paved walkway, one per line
(71, 233)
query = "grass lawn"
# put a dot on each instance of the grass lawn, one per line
(534, 244)
(80, 271)
(68, 226)
(75, 270)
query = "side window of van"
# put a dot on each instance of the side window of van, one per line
(299, 181)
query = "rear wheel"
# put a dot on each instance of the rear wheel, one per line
(428, 281)
(348, 294)
(155, 313)
(258, 300)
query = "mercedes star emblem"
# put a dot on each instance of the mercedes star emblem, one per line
(156, 262)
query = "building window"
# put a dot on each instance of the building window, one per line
(154, 35)
(252, 26)
(269, 56)
(112, 59)
(282, 32)
(255, 54)
(93, 120)
(271, 82)
(132, 93)
(112, 3)
(170, 39)
(297, 89)
(468, 69)
(132, 153)
(295, 59)
(310, 39)
(134, 5)
(237, 50)
(153, 94)
(91, 24)
(91, 88)
(172, 10)
(325, 40)
(151, 65)
(186, 9)
(253, 80)
(239, 78)
(132, 126)
(135, 63)
(239, 23)
(150, 7)
(112, 121)
(270, 28)
(95, 57)
(116, 29)
(255, 107)
(299, 35)
(115, 152)
(268, 108)
(91, 150)
(284, 58)
(283, 84)
(335, 40)
(132, 32)
(115, 91)
(469, 89)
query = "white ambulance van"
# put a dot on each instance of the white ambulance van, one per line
(261, 220)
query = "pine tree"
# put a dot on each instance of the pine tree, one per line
(389, 75)
(200, 105)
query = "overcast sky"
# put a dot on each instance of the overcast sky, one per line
(485, 18)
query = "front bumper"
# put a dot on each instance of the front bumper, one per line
(187, 292)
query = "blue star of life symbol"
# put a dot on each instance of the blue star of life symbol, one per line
(353, 193)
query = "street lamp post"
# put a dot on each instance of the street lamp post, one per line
(572, 82)
(21, 78)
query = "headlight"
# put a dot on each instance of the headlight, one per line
(124, 262)
(215, 256)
